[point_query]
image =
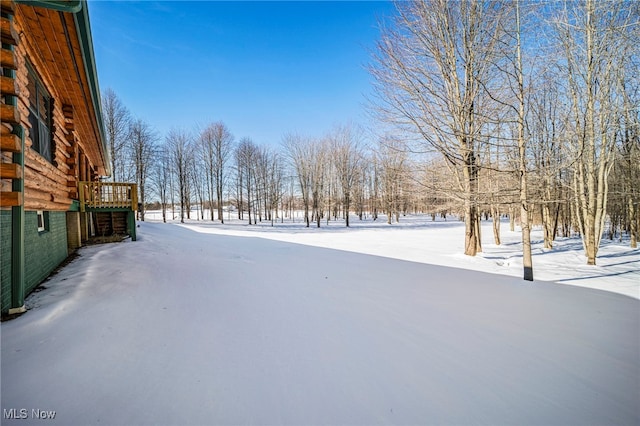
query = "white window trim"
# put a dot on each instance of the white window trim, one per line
(41, 223)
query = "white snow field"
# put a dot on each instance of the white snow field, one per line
(419, 239)
(187, 327)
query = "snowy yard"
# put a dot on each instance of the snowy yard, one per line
(224, 324)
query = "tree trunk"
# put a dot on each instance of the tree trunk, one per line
(495, 216)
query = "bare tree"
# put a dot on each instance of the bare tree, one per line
(431, 73)
(198, 181)
(178, 144)
(392, 162)
(246, 155)
(116, 123)
(346, 149)
(299, 150)
(596, 38)
(162, 180)
(143, 148)
(217, 145)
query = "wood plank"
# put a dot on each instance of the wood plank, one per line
(10, 142)
(10, 199)
(47, 196)
(67, 111)
(50, 205)
(8, 7)
(8, 34)
(8, 86)
(8, 59)
(10, 171)
(9, 114)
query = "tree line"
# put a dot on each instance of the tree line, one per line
(482, 108)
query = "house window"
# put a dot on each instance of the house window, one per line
(43, 221)
(39, 116)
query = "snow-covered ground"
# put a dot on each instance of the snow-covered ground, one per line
(417, 238)
(191, 326)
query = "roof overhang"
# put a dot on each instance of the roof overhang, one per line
(80, 12)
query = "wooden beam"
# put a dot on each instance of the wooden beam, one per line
(9, 114)
(8, 59)
(8, 86)
(10, 171)
(10, 199)
(10, 142)
(8, 34)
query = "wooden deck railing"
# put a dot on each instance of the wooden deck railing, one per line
(108, 195)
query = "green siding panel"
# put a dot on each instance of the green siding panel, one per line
(5, 258)
(44, 251)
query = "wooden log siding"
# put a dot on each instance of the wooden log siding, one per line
(10, 142)
(9, 113)
(46, 186)
(8, 86)
(8, 59)
(108, 195)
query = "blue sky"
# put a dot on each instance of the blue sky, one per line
(264, 68)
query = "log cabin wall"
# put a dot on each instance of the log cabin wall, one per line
(50, 97)
(50, 185)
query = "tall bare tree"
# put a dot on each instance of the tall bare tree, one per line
(161, 177)
(431, 72)
(346, 149)
(143, 148)
(217, 144)
(299, 150)
(178, 144)
(246, 156)
(392, 162)
(595, 38)
(116, 123)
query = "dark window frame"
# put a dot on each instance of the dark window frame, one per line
(40, 116)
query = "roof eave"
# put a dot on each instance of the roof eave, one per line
(80, 12)
(83, 27)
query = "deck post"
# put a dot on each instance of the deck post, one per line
(131, 221)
